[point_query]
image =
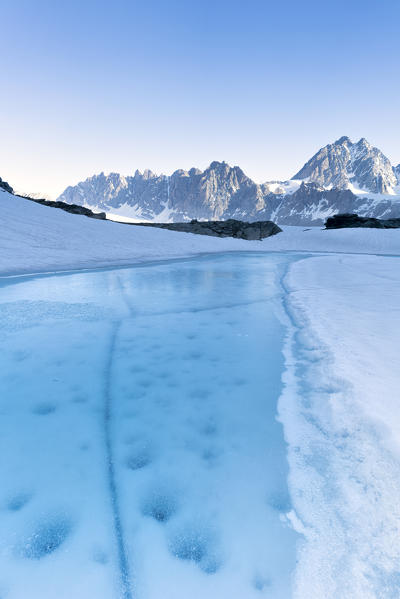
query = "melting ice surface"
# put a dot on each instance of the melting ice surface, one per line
(141, 454)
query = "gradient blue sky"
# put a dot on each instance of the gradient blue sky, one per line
(114, 86)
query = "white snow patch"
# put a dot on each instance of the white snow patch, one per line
(392, 195)
(284, 187)
(119, 218)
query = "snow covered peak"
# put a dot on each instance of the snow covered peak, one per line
(346, 165)
(342, 141)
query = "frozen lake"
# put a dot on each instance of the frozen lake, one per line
(141, 453)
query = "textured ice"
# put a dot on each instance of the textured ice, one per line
(340, 408)
(47, 536)
(144, 457)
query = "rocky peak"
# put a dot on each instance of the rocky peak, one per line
(148, 174)
(344, 140)
(216, 165)
(347, 165)
(180, 173)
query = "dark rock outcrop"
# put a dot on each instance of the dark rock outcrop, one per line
(341, 221)
(72, 208)
(222, 228)
(4, 185)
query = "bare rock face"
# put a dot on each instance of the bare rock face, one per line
(218, 192)
(396, 170)
(213, 193)
(344, 164)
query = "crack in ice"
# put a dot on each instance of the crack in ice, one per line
(112, 485)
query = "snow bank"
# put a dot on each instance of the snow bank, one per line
(36, 238)
(342, 423)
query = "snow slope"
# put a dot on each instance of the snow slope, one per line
(341, 417)
(35, 238)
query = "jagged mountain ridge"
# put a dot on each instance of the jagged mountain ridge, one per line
(213, 193)
(347, 165)
(325, 186)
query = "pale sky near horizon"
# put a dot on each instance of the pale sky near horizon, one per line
(90, 86)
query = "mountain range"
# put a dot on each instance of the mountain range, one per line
(341, 177)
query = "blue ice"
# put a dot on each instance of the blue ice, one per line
(141, 453)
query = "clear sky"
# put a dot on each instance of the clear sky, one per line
(90, 86)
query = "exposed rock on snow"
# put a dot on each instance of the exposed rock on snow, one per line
(226, 228)
(340, 221)
(72, 208)
(4, 185)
